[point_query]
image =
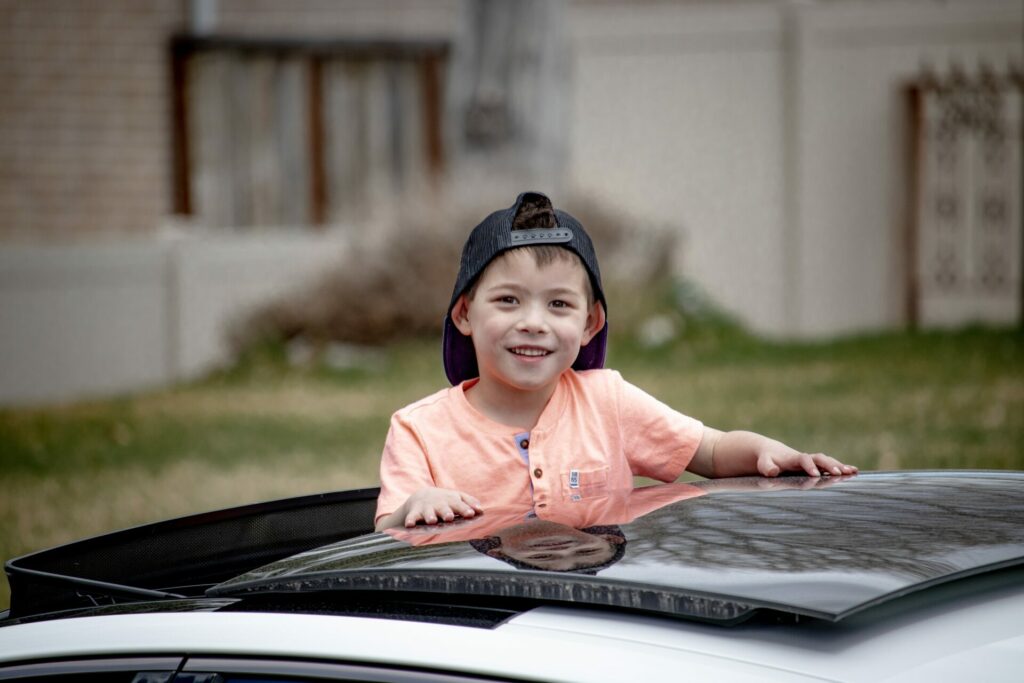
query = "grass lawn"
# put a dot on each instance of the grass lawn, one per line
(264, 431)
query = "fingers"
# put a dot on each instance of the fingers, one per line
(467, 505)
(418, 514)
(766, 465)
(807, 464)
(771, 464)
(830, 465)
(431, 506)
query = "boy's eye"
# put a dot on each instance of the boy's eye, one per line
(558, 303)
(507, 299)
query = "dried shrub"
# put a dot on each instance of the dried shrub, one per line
(396, 282)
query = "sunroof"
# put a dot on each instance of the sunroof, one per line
(716, 550)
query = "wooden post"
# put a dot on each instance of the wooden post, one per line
(317, 161)
(915, 129)
(180, 177)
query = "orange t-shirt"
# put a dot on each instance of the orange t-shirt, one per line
(595, 434)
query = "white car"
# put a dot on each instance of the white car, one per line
(904, 576)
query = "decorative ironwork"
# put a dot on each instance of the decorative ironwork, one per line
(966, 236)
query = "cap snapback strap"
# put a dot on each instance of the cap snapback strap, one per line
(542, 236)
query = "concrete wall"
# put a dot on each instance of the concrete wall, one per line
(774, 134)
(90, 320)
(852, 170)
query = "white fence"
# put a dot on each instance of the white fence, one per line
(79, 321)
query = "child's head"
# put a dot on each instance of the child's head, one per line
(550, 546)
(529, 229)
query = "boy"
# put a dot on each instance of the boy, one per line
(531, 416)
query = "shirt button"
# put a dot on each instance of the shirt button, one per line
(538, 473)
(524, 444)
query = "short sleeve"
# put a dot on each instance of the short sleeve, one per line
(404, 468)
(658, 440)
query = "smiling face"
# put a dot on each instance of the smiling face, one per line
(555, 547)
(527, 322)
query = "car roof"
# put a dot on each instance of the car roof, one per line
(718, 551)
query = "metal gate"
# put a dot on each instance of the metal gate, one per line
(965, 232)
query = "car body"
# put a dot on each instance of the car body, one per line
(900, 576)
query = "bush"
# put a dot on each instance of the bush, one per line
(396, 280)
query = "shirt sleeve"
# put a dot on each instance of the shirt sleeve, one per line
(404, 468)
(659, 441)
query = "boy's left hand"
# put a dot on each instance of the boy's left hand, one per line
(773, 461)
(742, 453)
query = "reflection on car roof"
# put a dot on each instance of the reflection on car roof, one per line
(718, 550)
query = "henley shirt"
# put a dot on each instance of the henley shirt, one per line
(596, 432)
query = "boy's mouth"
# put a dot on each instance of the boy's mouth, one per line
(529, 351)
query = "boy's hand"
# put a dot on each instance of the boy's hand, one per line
(774, 460)
(432, 504)
(741, 454)
(759, 483)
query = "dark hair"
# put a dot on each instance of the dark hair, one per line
(489, 543)
(535, 211)
(543, 255)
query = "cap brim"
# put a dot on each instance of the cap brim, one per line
(458, 354)
(592, 356)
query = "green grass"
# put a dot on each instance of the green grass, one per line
(264, 430)
(898, 401)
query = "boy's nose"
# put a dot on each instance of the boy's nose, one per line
(533, 319)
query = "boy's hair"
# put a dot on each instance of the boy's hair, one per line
(543, 255)
(550, 235)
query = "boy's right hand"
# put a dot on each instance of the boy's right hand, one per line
(429, 505)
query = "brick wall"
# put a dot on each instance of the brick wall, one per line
(84, 134)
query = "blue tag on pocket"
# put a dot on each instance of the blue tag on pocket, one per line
(574, 479)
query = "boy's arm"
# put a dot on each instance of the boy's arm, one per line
(737, 454)
(408, 492)
(430, 505)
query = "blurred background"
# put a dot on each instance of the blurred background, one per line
(229, 228)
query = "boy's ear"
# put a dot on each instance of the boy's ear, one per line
(460, 315)
(595, 323)
(495, 549)
(613, 539)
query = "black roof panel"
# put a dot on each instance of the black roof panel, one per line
(715, 550)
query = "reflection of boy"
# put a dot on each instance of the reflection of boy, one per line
(617, 507)
(532, 418)
(554, 547)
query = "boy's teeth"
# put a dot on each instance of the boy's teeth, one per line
(530, 352)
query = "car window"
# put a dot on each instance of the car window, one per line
(107, 670)
(93, 677)
(231, 670)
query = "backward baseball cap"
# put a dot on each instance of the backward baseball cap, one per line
(494, 236)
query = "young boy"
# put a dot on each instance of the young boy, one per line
(531, 416)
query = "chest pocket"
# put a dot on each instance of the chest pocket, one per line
(578, 484)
